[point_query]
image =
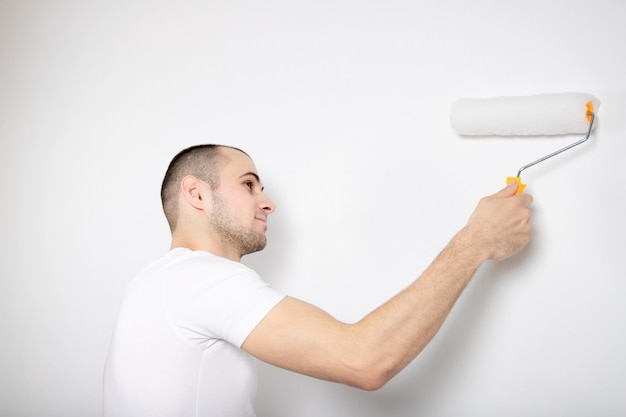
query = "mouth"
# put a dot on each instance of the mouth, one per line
(263, 223)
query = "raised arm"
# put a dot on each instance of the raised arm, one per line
(300, 337)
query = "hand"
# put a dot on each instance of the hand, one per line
(499, 225)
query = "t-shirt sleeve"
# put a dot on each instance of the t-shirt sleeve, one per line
(226, 303)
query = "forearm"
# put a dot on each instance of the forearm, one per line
(396, 332)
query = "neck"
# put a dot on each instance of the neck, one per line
(206, 246)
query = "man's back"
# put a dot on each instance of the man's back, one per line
(175, 350)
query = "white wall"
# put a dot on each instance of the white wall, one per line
(344, 106)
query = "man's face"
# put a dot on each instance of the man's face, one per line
(239, 206)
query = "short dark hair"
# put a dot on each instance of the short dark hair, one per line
(202, 161)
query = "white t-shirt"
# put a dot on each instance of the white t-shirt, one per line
(176, 346)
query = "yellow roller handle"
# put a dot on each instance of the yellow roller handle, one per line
(520, 186)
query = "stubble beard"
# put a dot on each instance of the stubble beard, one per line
(244, 241)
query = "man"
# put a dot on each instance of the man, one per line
(191, 323)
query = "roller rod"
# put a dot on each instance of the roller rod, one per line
(590, 114)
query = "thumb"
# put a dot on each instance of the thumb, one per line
(509, 190)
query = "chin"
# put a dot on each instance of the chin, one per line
(256, 247)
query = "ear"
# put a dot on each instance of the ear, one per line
(191, 189)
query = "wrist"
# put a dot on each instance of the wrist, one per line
(468, 246)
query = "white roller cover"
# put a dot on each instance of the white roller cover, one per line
(543, 114)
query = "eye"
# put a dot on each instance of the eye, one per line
(249, 184)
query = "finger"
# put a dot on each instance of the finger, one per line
(526, 199)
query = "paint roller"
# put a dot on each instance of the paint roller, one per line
(543, 114)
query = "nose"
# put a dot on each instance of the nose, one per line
(267, 205)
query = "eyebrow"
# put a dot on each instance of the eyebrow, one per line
(256, 177)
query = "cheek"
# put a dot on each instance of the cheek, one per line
(243, 206)
(238, 202)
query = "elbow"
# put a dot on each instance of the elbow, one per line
(369, 367)
(366, 364)
(371, 377)
(372, 383)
